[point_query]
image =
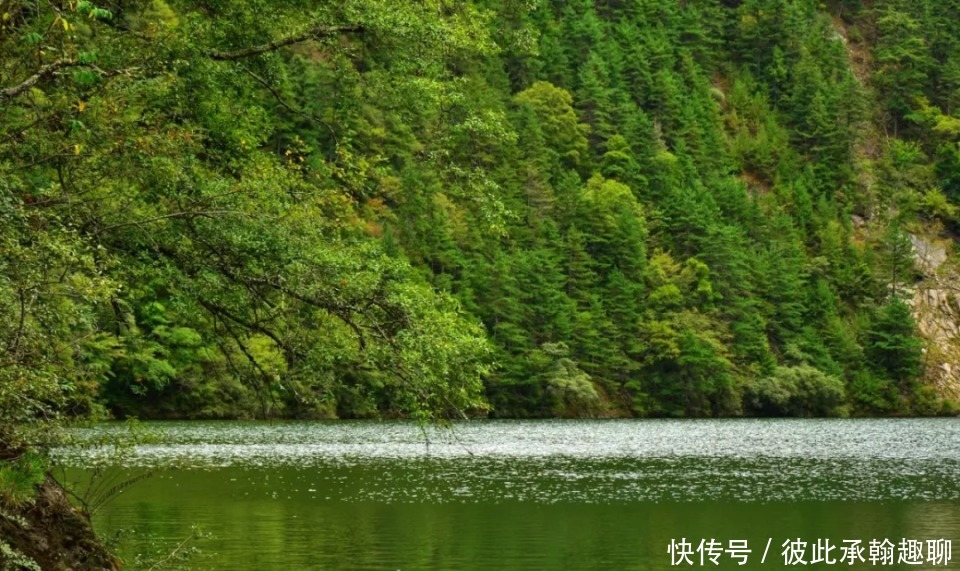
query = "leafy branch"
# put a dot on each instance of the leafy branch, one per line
(44, 71)
(316, 32)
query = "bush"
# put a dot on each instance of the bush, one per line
(572, 393)
(872, 394)
(950, 408)
(926, 402)
(795, 391)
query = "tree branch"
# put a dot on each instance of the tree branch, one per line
(185, 214)
(44, 71)
(315, 32)
(221, 311)
(289, 107)
(49, 69)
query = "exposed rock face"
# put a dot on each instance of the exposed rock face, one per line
(54, 535)
(936, 308)
(928, 255)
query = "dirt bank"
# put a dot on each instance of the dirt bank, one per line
(52, 534)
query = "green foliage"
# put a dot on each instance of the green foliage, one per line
(903, 60)
(569, 388)
(795, 391)
(893, 348)
(558, 121)
(872, 394)
(167, 248)
(356, 209)
(19, 479)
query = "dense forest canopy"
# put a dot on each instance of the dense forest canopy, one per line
(439, 208)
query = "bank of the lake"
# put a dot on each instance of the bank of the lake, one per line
(524, 494)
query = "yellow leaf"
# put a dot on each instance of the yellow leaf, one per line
(6, 16)
(76, 149)
(81, 106)
(66, 25)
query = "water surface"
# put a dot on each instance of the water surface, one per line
(525, 494)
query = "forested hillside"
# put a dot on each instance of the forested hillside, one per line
(508, 207)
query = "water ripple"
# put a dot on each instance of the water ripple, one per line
(572, 461)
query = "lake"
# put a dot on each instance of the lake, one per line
(540, 495)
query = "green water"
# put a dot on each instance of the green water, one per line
(528, 494)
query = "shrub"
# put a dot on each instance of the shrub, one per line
(872, 394)
(795, 391)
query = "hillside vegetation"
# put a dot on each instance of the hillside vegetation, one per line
(508, 207)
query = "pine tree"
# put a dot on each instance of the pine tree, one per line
(558, 120)
(897, 262)
(594, 98)
(902, 62)
(893, 348)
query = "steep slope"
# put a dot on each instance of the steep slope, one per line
(936, 307)
(932, 297)
(640, 208)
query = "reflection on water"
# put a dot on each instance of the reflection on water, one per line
(531, 494)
